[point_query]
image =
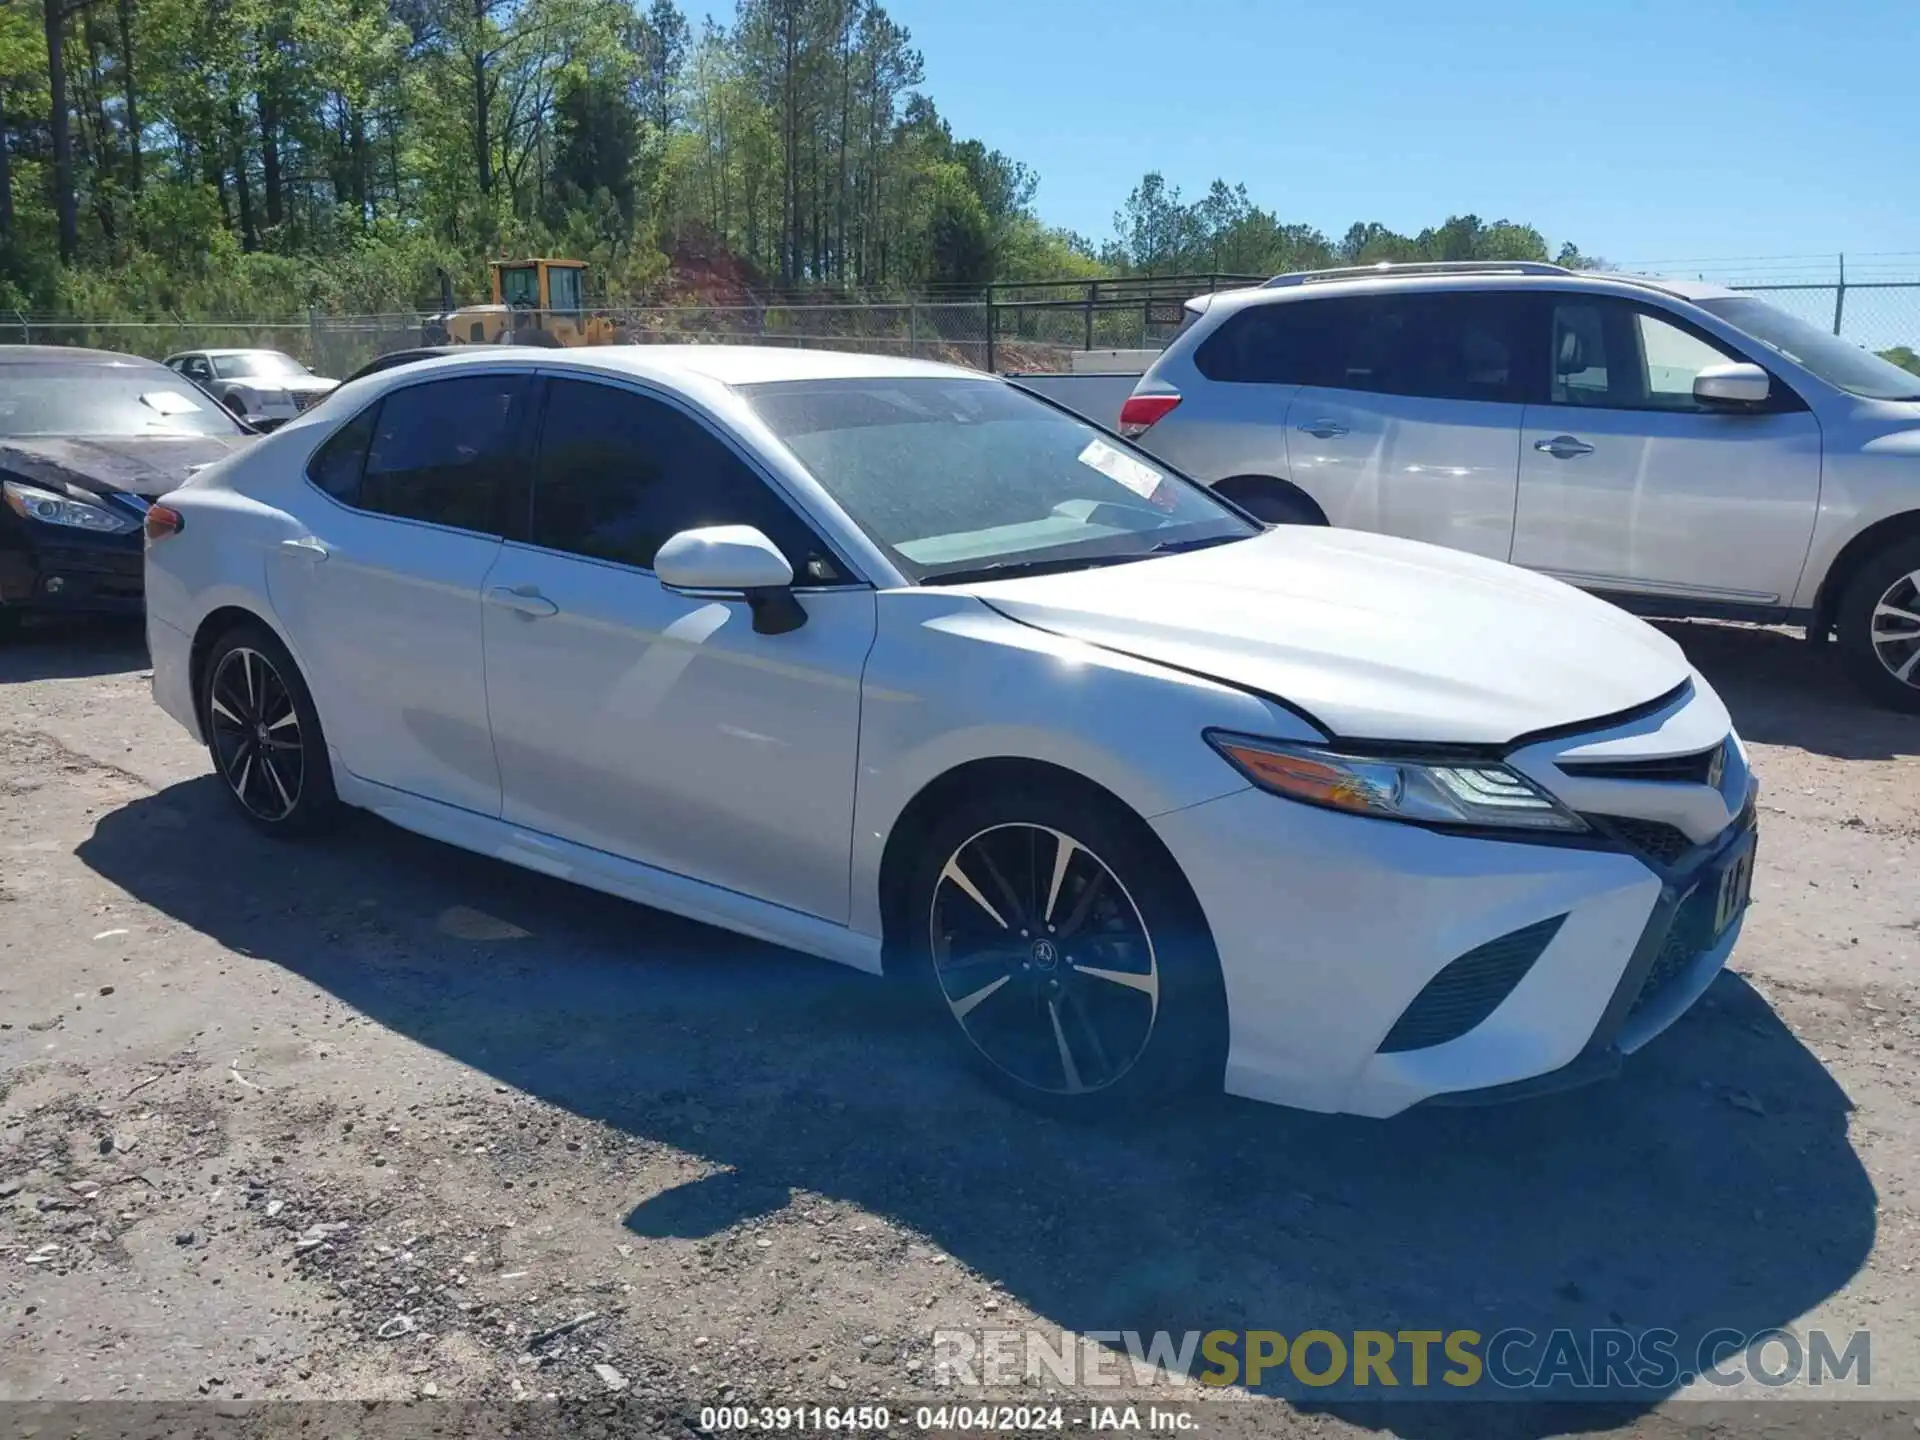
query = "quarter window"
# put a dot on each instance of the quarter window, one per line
(337, 465)
(621, 474)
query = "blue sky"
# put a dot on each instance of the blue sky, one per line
(1642, 132)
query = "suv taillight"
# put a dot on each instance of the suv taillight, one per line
(1142, 412)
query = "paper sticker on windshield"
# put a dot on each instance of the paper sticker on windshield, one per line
(168, 402)
(1141, 479)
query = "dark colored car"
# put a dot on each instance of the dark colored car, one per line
(88, 440)
(395, 358)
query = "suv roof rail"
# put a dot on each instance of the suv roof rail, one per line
(1389, 269)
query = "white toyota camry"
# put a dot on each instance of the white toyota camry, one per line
(896, 664)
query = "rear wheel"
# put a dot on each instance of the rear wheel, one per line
(1272, 501)
(264, 735)
(1068, 956)
(1879, 626)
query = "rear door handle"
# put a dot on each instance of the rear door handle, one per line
(1324, 429)
(308, 546)
(526, 599)
(1563, 447)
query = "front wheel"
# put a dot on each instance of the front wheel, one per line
(264, 734)
(1070, 960)
(1879, 626)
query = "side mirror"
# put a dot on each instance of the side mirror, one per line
(733, 562)
(1732, 385)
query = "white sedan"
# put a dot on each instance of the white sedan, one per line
(898, 665)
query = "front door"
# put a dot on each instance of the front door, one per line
(655, 726)
(381, 598)
(1412, 424)
(1629, 484)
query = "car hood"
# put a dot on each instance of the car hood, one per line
(1373, 637)
(147, 465)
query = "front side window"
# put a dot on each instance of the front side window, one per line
(105, 402)
(1619, 356)
(444, 452)
(620, 474)
(959, 477)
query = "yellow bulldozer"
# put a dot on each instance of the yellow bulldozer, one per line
(535, 302)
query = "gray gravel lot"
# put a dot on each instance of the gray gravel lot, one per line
(375, 1118)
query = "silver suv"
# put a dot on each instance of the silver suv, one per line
(1682, 449)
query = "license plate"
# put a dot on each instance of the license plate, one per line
(1735, 889)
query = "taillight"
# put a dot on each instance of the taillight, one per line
(1142, 412)
(164, 520)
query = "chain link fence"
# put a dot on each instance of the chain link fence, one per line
(1034, 328)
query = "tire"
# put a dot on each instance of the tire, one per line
(1275, 504)
(539, 339)
(1136, 1033)
(1879, 644)
(251, 693)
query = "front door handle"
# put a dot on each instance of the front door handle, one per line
(1563, 447)
(308, 547)
(526, 599)
(1324, 429)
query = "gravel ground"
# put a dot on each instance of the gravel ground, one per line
(377, 1119)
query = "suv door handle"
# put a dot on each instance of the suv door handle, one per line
(1563, 447)
(526, 599)
(307, 546)
(1324, 429)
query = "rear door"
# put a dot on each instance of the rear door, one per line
(381, 599)
(1628, 484)
(1410, 424)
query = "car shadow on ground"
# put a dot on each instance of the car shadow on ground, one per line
(1712, 1187)
(70, 649)
(1783, 691)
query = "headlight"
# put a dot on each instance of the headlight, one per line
(32, 503)
(1423, 791)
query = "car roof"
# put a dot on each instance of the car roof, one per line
(724, 364)
(69, 355)
(1468, 276)
(235, 350)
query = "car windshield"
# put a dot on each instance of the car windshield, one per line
(1838, 362)
(98, 401)
(257, 365)
(963, 479)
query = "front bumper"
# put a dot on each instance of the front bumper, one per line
(82, 574)
(1330, 926)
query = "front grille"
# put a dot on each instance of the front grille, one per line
(1689, 769)
(304, 402)
(1661, 843)
(1692, 932)
(128, 563)
(1469, 989)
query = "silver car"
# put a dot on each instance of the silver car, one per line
(265, 388)
(1682, 449)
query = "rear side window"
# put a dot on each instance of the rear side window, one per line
(1440, 345)
(620, 474)
(445, 451)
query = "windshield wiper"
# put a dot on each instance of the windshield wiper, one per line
(1012, 569)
